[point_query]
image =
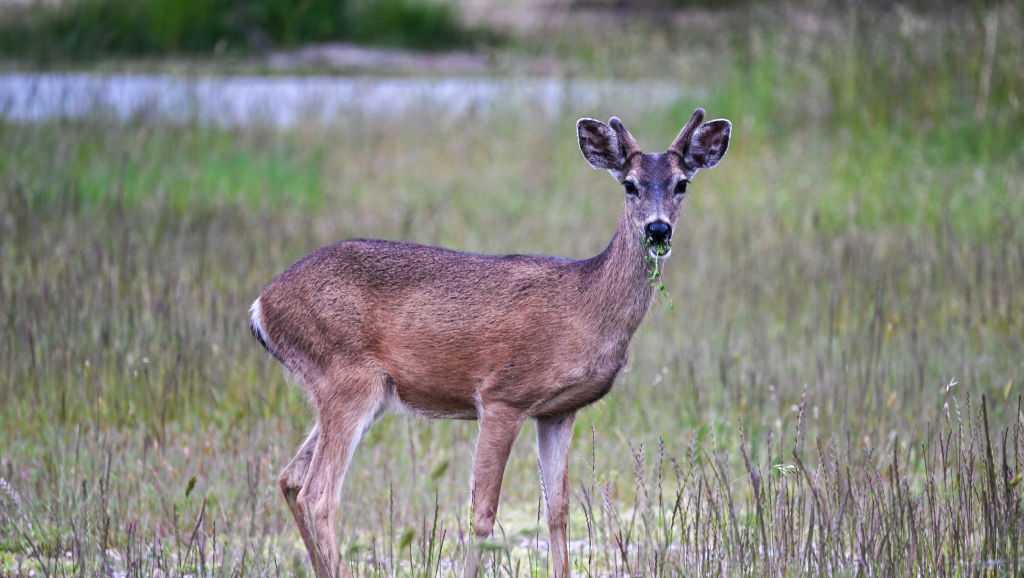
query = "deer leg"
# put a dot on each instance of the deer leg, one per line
(553, 437)
(346, 407)
(499, 427)
(291, 479)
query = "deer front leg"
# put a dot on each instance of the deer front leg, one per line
(553, 437)
(499, 426)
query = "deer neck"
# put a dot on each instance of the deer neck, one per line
(619, 290)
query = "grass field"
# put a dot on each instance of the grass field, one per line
(831, 387)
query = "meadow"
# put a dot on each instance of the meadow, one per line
(830, 385)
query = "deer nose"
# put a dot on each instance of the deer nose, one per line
(658, 231)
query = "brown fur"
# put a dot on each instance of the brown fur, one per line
(368, 325)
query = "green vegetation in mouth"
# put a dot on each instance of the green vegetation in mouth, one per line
(660, 249)
(652, 254)
(653, 251)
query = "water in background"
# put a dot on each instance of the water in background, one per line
(286, 101)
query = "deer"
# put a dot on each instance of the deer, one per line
(370, 326)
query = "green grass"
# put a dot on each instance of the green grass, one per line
(182, 167)
(845, 289)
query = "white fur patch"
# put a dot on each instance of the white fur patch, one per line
(256, 322)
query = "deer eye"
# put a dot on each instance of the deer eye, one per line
(681, 187)
(631, 189)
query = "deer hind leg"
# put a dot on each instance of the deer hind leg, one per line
(292, 478)
(553, 437)
(347, 403)
(499, 427)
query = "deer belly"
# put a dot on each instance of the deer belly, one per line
(432, 405)
(431, 391)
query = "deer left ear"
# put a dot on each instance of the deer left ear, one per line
(708, 144)
(600, 144)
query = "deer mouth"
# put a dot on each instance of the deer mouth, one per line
(659, 249)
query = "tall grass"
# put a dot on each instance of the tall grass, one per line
(920, 112)
(834, 387)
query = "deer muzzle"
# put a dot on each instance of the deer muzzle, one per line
(659, 238)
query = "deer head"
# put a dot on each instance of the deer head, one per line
(655, 184)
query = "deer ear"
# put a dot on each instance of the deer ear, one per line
(599, 144)
(708, 144)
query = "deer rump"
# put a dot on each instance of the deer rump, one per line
(446, 331)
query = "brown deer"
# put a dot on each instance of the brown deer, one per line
(368, 326)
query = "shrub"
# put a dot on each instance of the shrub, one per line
(89, 28)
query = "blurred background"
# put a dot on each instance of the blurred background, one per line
(830, 384)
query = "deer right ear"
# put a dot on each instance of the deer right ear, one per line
(600, 145)
(701, 144)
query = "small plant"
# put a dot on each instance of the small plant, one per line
(654, 263)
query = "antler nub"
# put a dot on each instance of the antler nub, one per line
(683, 139)
(626, 140)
